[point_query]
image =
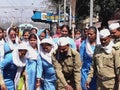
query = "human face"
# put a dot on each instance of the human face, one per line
(58, 31)
(34, 31)
(22, 53)
(115, 34)
(64, 32)
(33, 42)
(26, 35)
(105, 41)
(63, 50)
(77, 35)
(42, 36)
(91, 35)
(12, 35)
(46, 47)
(85, 32)
(1, 34)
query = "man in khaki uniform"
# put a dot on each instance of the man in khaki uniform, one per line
(115, 33)
(106, 64)
(67, 64)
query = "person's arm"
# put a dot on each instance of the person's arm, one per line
(58, 70)
(76, 71)
(82, 50)
(117, 65)
(90, 74)
(39, 72)
(5, 62)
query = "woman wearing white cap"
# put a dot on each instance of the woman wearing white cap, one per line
(106, 65)
(48, 74)
(12, 66)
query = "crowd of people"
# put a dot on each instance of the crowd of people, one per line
(37, 60)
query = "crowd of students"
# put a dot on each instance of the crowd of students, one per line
(38, 61)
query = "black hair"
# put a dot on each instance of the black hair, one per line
(11, 29)
(66, 26)
(26, 30)
(32, 36)
(93, 28)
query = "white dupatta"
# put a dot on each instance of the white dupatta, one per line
(19, 62)
(2, 49)
(47, 56)
(11, 44)
(88, 46)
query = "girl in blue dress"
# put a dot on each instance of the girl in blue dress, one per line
(34, 64)
(11, 67)
(48, 74)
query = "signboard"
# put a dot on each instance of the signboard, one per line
(49, 17)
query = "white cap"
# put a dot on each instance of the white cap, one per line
(104, 33)
(114, 26)
(47, 40)
(63, 41)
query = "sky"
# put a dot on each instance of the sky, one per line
(21, 9)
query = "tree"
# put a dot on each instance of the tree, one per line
(105, 8)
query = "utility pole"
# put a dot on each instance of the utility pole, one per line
(73, 5)
(59, 13)
(70, 17)
(91, 12)
(64, 11)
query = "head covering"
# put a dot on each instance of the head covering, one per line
(47, 40)
(16, 59)
(31, 50)
(114, 26)
(63, 41)
(40, 31)
(19, 62)
(12, 46)
(104, 33)
(89, 49)
(47, 56)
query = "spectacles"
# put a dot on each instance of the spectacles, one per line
(12, 34)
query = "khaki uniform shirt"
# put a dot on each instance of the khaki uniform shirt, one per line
(105, 66)
(67, 69)
(117, 44)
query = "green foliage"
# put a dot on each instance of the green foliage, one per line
(105, 8)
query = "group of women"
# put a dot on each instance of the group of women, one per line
(26, 62)
(33, 51)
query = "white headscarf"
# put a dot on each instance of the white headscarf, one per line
(20, 63)
(16, 59)
(10, 41)
(32, 53)
(45, 55)
(88, 46)
(2, 49)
